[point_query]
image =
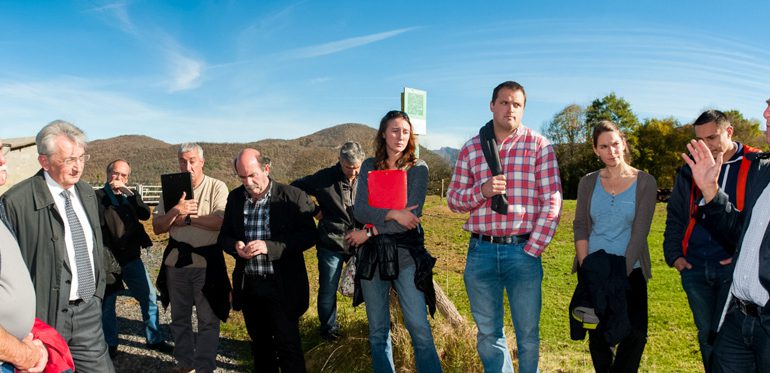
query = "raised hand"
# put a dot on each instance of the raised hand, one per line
(705, 168)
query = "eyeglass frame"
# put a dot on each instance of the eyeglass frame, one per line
(69, 161)
(6, 148)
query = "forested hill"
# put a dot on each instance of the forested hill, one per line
(291, 159)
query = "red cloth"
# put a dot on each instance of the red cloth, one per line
(59, 356)
(533, 189)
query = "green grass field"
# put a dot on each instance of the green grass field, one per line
(671, 347)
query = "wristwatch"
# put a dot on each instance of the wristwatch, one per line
(369, 228)
(368, 232)
(187, 220)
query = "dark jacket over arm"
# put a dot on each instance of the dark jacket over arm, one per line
(292, 231)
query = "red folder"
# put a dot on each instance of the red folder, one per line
(387, 189)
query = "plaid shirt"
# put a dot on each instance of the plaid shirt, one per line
(256, 224)
(533, 189)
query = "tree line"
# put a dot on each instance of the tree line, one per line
(654, 143)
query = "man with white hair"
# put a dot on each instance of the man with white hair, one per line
(193, 270)
(55, 216)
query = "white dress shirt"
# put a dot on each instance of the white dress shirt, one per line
(77, 205)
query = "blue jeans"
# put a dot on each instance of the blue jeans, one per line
(140, 287)
(413, 307)
(742, 345)
(491, 268)
(703, 284)
(329, 270)
(7, 368)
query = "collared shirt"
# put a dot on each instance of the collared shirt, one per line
(256, 225)
(746, 285)
(533, 189)
(77, 205)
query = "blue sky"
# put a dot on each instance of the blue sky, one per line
(229, 71)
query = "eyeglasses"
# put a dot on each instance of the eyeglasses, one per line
(6, 148)
(72, 160)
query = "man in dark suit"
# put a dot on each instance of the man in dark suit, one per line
(267, 226)
(56, 220)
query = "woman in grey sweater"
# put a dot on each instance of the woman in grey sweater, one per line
(614, 212)
(392, 251)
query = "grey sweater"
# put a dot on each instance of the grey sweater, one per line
(416, 184)
(646, 196)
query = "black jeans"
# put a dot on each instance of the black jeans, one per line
(629, 352)
(275, 340)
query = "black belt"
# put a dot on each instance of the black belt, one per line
(748, 308)
(515, 239)
(254, 276)
(76, 302)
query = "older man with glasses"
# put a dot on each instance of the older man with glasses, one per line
(56, 221)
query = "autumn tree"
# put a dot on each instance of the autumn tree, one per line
(571, 141)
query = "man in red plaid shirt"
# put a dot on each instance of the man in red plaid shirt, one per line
(506, 242)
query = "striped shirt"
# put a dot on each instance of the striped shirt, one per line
(256, 224)
(533, 189)
(746, 285)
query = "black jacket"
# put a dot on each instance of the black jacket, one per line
(380, 253)
(331, 189)
(723, 219)
(292, 231)
(122, 231)
(602, 285)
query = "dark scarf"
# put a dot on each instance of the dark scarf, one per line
(492, 155)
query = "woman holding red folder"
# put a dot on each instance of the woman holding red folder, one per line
(392, 252)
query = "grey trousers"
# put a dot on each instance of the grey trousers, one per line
(191, 351)
(81, 327)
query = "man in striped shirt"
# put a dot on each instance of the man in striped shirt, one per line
(505, 245)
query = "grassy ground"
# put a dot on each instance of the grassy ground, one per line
(671, 346)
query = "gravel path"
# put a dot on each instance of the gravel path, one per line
(133, 355)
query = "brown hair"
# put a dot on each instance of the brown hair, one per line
(513, 86)
(609, 126)
(380, 148)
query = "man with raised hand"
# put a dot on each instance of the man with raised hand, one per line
(702, 259)
(743, 340)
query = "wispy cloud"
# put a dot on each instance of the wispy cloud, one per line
(117, 11)
(341, 45)
(185, 71)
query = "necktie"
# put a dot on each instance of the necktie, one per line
(86, 286)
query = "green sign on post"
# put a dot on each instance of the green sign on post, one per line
(414, 103)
